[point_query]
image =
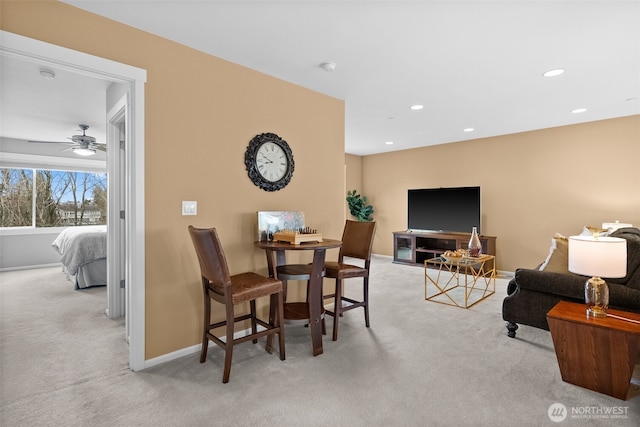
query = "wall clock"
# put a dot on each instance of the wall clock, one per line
(269, 162)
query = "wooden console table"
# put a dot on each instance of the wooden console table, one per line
(414, 248)
(595, 353)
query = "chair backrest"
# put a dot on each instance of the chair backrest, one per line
(357, 239)
(213, 263)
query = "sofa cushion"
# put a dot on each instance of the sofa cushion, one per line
(567, 285)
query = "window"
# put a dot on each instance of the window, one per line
(52, 198)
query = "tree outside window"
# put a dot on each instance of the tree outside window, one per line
(49, 198)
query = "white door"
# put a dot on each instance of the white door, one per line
(117, 196)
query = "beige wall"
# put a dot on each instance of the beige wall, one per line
(200, 114)
(533, 184)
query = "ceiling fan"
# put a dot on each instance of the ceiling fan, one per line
(83, 145)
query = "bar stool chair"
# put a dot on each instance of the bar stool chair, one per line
(218, 285)
(357, 242)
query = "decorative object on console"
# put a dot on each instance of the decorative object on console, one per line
(456, 255)
(358, 206)
(270, 222)
(475, 246)
(269, 162)
(598, 257)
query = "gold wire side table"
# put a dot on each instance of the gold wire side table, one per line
(460, 282)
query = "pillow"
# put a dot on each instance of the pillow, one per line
(592, 231)
(558, 259)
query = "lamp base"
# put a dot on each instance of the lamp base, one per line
(596, 312)
(596, 297)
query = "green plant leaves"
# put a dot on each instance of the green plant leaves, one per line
(358, 206)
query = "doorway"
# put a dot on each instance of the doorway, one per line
(129, 166)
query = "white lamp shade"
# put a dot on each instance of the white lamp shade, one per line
(601, 257)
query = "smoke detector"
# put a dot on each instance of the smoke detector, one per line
(328, 66)
(47, 74)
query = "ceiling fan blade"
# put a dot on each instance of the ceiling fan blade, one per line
(50, 142)
(101, 147)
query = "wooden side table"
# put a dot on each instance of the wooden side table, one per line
(595, 353)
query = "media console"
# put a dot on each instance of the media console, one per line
(413, 248)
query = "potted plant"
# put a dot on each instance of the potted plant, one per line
(358, 206)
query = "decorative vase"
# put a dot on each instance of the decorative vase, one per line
(475, 246)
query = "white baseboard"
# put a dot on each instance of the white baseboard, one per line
(187, 351)
(30, 267)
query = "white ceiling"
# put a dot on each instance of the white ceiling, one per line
(472, 64)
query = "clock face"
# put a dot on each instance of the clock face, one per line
(269, 162)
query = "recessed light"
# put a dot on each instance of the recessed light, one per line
(579, 110)
(553, 73)
(389, 142)
(469, 129)
(417, 107)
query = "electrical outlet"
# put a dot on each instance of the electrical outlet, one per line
(189, 208)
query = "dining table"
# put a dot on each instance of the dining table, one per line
(276, 256)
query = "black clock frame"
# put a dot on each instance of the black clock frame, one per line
(250, 157)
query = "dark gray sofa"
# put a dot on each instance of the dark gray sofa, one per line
(532, 293)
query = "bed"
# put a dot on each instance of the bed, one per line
(83, 254)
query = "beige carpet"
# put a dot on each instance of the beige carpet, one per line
(63, 363)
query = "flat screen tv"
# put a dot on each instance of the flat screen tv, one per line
(444, 209)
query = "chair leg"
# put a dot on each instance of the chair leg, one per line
(337, 308)
(254, 325)
(273, 320)
(366, 301)
(205, 328)
(228, 348)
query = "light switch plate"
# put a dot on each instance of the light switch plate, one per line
(189, 207)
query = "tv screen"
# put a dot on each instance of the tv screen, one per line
(444, 209)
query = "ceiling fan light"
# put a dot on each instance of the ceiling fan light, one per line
(83, 151)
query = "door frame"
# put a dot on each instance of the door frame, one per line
(24, 48)
(117, 192)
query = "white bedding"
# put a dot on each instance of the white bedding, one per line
(79, 248)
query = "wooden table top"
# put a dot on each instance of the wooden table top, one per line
(325, 244)
(577, 313)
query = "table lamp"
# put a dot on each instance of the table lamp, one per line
(598, 257)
